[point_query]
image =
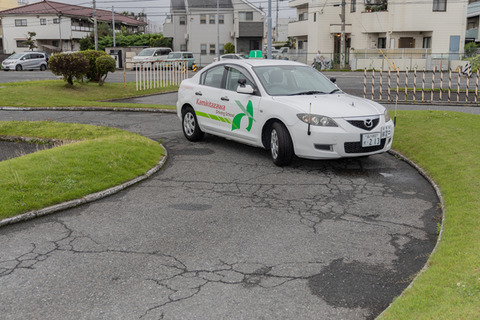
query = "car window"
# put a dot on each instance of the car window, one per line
(233, 75)
(146, 52)
(291, 80)
(213, 77)
(189, 56)
(166, 51)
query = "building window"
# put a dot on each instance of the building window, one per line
(314, 17)
(353, 5)
(221, 19)
(22, 44)
(439, 5)
(56, 20)
(203, 49)
(20, 22)
(427, 42)
(221, 48)
(55, 43)
(211, 19)
(212, 49)
(303, 16)
(406, 43)
(203, 19)
(382, 43)
(43, 21)
(245, 16)
(183, 20)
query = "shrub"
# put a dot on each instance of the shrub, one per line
(105, 64)
(92, 57)
(229, 47)
(470, 49)
(69, 65)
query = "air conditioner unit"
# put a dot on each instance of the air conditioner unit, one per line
(186, 36)
(370, 2)
(232, 34)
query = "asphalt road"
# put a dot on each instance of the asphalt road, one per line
(222, 233)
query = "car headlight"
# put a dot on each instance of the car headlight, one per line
(387, 115)
(317, 120)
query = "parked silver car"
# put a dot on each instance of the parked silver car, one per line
(26, 61)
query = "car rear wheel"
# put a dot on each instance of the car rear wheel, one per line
(281, 146)
(43, 67)
(18, 67)
(191, 130)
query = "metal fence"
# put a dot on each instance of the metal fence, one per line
(160, 74)
(422, 86)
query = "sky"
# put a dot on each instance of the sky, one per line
(157, 10)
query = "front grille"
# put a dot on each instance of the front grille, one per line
(361, 123)
(356, 147)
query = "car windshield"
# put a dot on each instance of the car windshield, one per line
(147, 52)
(16, 56)
(291, 80)
(174, 55)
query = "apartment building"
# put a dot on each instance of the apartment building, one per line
(193, 26)
(435, 27)
(58, 26)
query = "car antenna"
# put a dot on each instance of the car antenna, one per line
(309, 119)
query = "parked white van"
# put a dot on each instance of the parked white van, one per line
(152, 55)
(29, 60)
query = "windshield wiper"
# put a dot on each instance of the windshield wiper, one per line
(333, 91)
(307, 93)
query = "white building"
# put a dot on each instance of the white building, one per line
(58, 26)
(193, 26)
(417, 29)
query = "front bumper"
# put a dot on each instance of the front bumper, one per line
(337, 142)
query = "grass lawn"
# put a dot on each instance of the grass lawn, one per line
(102, 158)
(57, 93)
(447, 146)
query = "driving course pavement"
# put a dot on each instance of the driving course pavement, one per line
(222, 233)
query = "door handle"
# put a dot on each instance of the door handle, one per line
(225, 99)
(198, 93)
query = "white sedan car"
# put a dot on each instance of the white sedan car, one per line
(286, 107)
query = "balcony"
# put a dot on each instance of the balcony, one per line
(298, 3)
(298, 28)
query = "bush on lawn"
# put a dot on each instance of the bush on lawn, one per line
(69, 65)
(92, 56)
(105, 64)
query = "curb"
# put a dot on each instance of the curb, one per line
(442, 207)
(88, 198)
(88, 109)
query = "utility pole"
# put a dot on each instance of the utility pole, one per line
(95, 34)
(269, 30)
(276, 24)
(342, 37)
(113, 26)
(218, 30)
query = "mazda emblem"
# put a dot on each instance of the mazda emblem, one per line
(368, 123)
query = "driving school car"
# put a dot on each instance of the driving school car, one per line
(286, 107)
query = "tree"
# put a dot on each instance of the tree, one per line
(86, 43)
(229, 47)
(31, 41)
(105, 64)
(470, 49)
(69, 65)
(92, 57)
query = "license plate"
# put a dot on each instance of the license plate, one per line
(371, 139)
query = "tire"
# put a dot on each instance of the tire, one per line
(43, 67)
(190, 127)
(281, 146)
(18, 67)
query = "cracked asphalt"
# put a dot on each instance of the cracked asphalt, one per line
(222, 233)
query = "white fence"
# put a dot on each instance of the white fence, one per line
(160, 74)
(443, 86)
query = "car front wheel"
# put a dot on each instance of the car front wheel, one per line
(18, 67)
(191, 130)
(281, 146)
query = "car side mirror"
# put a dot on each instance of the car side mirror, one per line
(333, 79)
(245, 89)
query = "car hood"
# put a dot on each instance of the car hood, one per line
(332, 105)
(143, 58)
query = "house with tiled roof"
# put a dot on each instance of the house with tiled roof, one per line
(193, 26)
(58, 26)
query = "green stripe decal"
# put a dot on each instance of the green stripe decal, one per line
(213, 117)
